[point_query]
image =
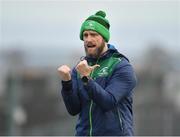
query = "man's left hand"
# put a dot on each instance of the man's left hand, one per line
(84, 69)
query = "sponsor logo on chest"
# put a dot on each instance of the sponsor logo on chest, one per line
(103, 71)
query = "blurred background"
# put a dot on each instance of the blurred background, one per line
(37, 36)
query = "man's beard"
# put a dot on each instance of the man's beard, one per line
(98, 51)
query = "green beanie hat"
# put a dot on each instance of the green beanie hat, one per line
(97, 23)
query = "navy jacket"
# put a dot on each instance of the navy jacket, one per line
(104, 105)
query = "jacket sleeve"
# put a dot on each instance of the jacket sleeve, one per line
(70, 94)
(120, 84)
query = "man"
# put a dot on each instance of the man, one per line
(100, 87)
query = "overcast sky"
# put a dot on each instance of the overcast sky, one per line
(55, 24)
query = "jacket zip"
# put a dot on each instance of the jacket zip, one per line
(90, 108)
(120, 120)
(90, 118)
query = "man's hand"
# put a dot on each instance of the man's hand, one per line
(64, 72)
(84, 69)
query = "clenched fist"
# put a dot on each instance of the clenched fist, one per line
(64, 72)
(84, 69)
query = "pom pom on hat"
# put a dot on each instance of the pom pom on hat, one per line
(97, 23)
(101, 13)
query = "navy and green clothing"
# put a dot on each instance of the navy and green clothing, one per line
(104, 104)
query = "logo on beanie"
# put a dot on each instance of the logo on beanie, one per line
(91, 25)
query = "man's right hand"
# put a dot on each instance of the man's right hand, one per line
(64, 72)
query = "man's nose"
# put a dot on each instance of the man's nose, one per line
(88, 39)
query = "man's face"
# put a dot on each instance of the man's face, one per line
(94, 43)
